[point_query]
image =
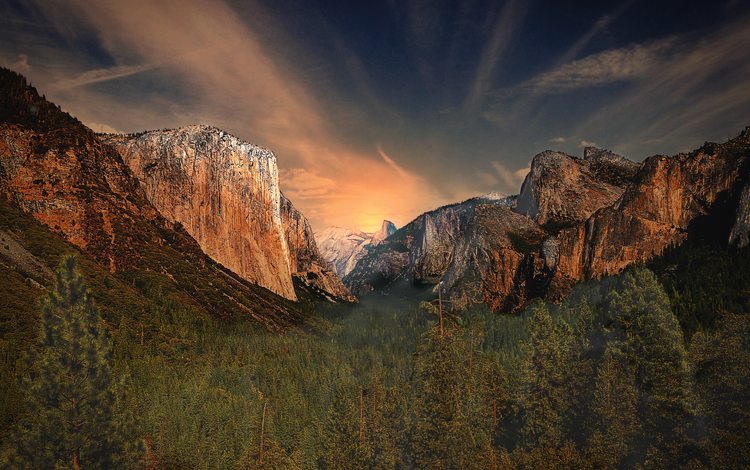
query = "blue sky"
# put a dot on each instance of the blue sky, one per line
(386, 109)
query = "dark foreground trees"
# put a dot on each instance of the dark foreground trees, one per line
(72, 418)
(605, 379)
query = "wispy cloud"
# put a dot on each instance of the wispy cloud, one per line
(305, 184)
(615, 65)
(510, 179)
(599, 25)
(700, 87)
(220, 71)
(508, 21)
(101, 75)
(103, 128)
(400, 171)
(21, 65)
(502, 112)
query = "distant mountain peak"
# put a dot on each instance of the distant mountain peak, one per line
(387, 228)
(344, 247)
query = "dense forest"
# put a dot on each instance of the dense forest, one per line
(606, 379)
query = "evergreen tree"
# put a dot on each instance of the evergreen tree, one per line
(543, 401)
(721, 361)
(442, 437)
(615, 408)
(71, 406)
(345, 444)
(578, 369)
(656, 351)
(382, 426)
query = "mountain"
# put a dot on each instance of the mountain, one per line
(343, 247)
(669, 198)
(562, 190)
(310, 270)
(574, 219)
(225, 193)
(387, 228)
(56, 170)
(476, 248)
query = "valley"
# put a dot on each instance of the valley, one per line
(342, 264)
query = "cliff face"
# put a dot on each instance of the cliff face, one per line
(387, 228)
(667, 196)
(740, 234)
(55, 169)
(562, 190)
(223, 191)
(307, 265)
(477, 249)
(575, 219)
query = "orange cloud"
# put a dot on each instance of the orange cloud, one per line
(231, 71)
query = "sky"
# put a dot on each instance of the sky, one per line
(385, 109)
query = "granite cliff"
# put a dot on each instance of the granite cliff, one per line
(562, 190)
(668, 197)
(225, 193)
(308, 267)
(57, 170)
(574, 219)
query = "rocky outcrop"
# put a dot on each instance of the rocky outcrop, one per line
(667, 196)
(342, 248)
(307, 265)
(561, 190)
(223, 191)
(387, 228)
(54, 168)
(740, 234)
(476, 250)
(575, 219)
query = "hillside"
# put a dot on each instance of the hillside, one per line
(56, 170)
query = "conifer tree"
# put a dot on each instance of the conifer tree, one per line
(544, 402)
(442, 438)
(382, 431)
(721, 364)
(615, 409)
(71, 406)
(656, 351)
(344, 447)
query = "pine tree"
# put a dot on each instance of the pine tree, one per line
(544, 402)
(71, 406)
(344, 445)
(442, 437)
(615, 409)
(721, 364)
(578, 368)
(382, 428)
(656, 351)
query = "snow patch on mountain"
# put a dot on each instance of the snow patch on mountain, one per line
(343, 247)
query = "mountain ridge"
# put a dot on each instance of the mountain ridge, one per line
(342, 247)
(559, 241)
(56, 170)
